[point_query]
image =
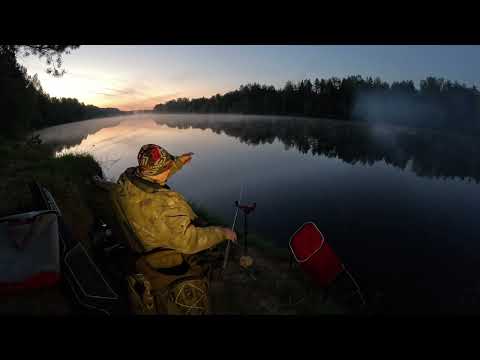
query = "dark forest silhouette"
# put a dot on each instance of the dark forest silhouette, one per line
(24, 104)
(439, 103)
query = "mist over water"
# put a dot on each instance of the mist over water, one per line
(398, 205)
(397, 109)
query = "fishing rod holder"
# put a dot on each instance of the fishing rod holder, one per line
(247, 209)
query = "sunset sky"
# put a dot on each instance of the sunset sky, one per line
(139, 77)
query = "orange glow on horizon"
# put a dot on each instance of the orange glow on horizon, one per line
(132, 105)
(124, 103)
(111, 84)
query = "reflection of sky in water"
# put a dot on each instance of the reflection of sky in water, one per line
(381, 219)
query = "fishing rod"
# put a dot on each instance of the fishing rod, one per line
(245, 261)
(227, 249)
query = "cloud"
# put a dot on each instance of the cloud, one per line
(126, 91)
(120, 92)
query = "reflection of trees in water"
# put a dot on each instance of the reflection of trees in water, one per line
(432, 153)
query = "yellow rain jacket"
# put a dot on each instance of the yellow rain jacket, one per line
(160, 217)
(158, 224)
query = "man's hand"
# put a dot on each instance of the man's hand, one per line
(230, 235)
(185, 158)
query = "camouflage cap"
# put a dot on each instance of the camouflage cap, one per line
(153, 160)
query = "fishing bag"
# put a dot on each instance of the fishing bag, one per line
(169, 291)
(29, 252)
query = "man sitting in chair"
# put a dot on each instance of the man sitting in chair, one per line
(162, 224)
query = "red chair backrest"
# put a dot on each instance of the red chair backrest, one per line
(314, 255)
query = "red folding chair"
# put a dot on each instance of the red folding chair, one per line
(317, 259)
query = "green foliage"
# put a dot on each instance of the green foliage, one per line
(64, 176)
(51, 53)
(71, 166)
(25, 106)
(55, 111)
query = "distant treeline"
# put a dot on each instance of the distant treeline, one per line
(25, 106)
(438, 102)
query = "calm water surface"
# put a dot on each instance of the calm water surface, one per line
(399, 206)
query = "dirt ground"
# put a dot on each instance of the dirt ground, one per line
(269, 287)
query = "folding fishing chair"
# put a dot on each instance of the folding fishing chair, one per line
(87, 285)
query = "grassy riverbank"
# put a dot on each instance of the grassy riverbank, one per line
(23, 162)
(271, 287)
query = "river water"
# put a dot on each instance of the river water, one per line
(399, 206)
